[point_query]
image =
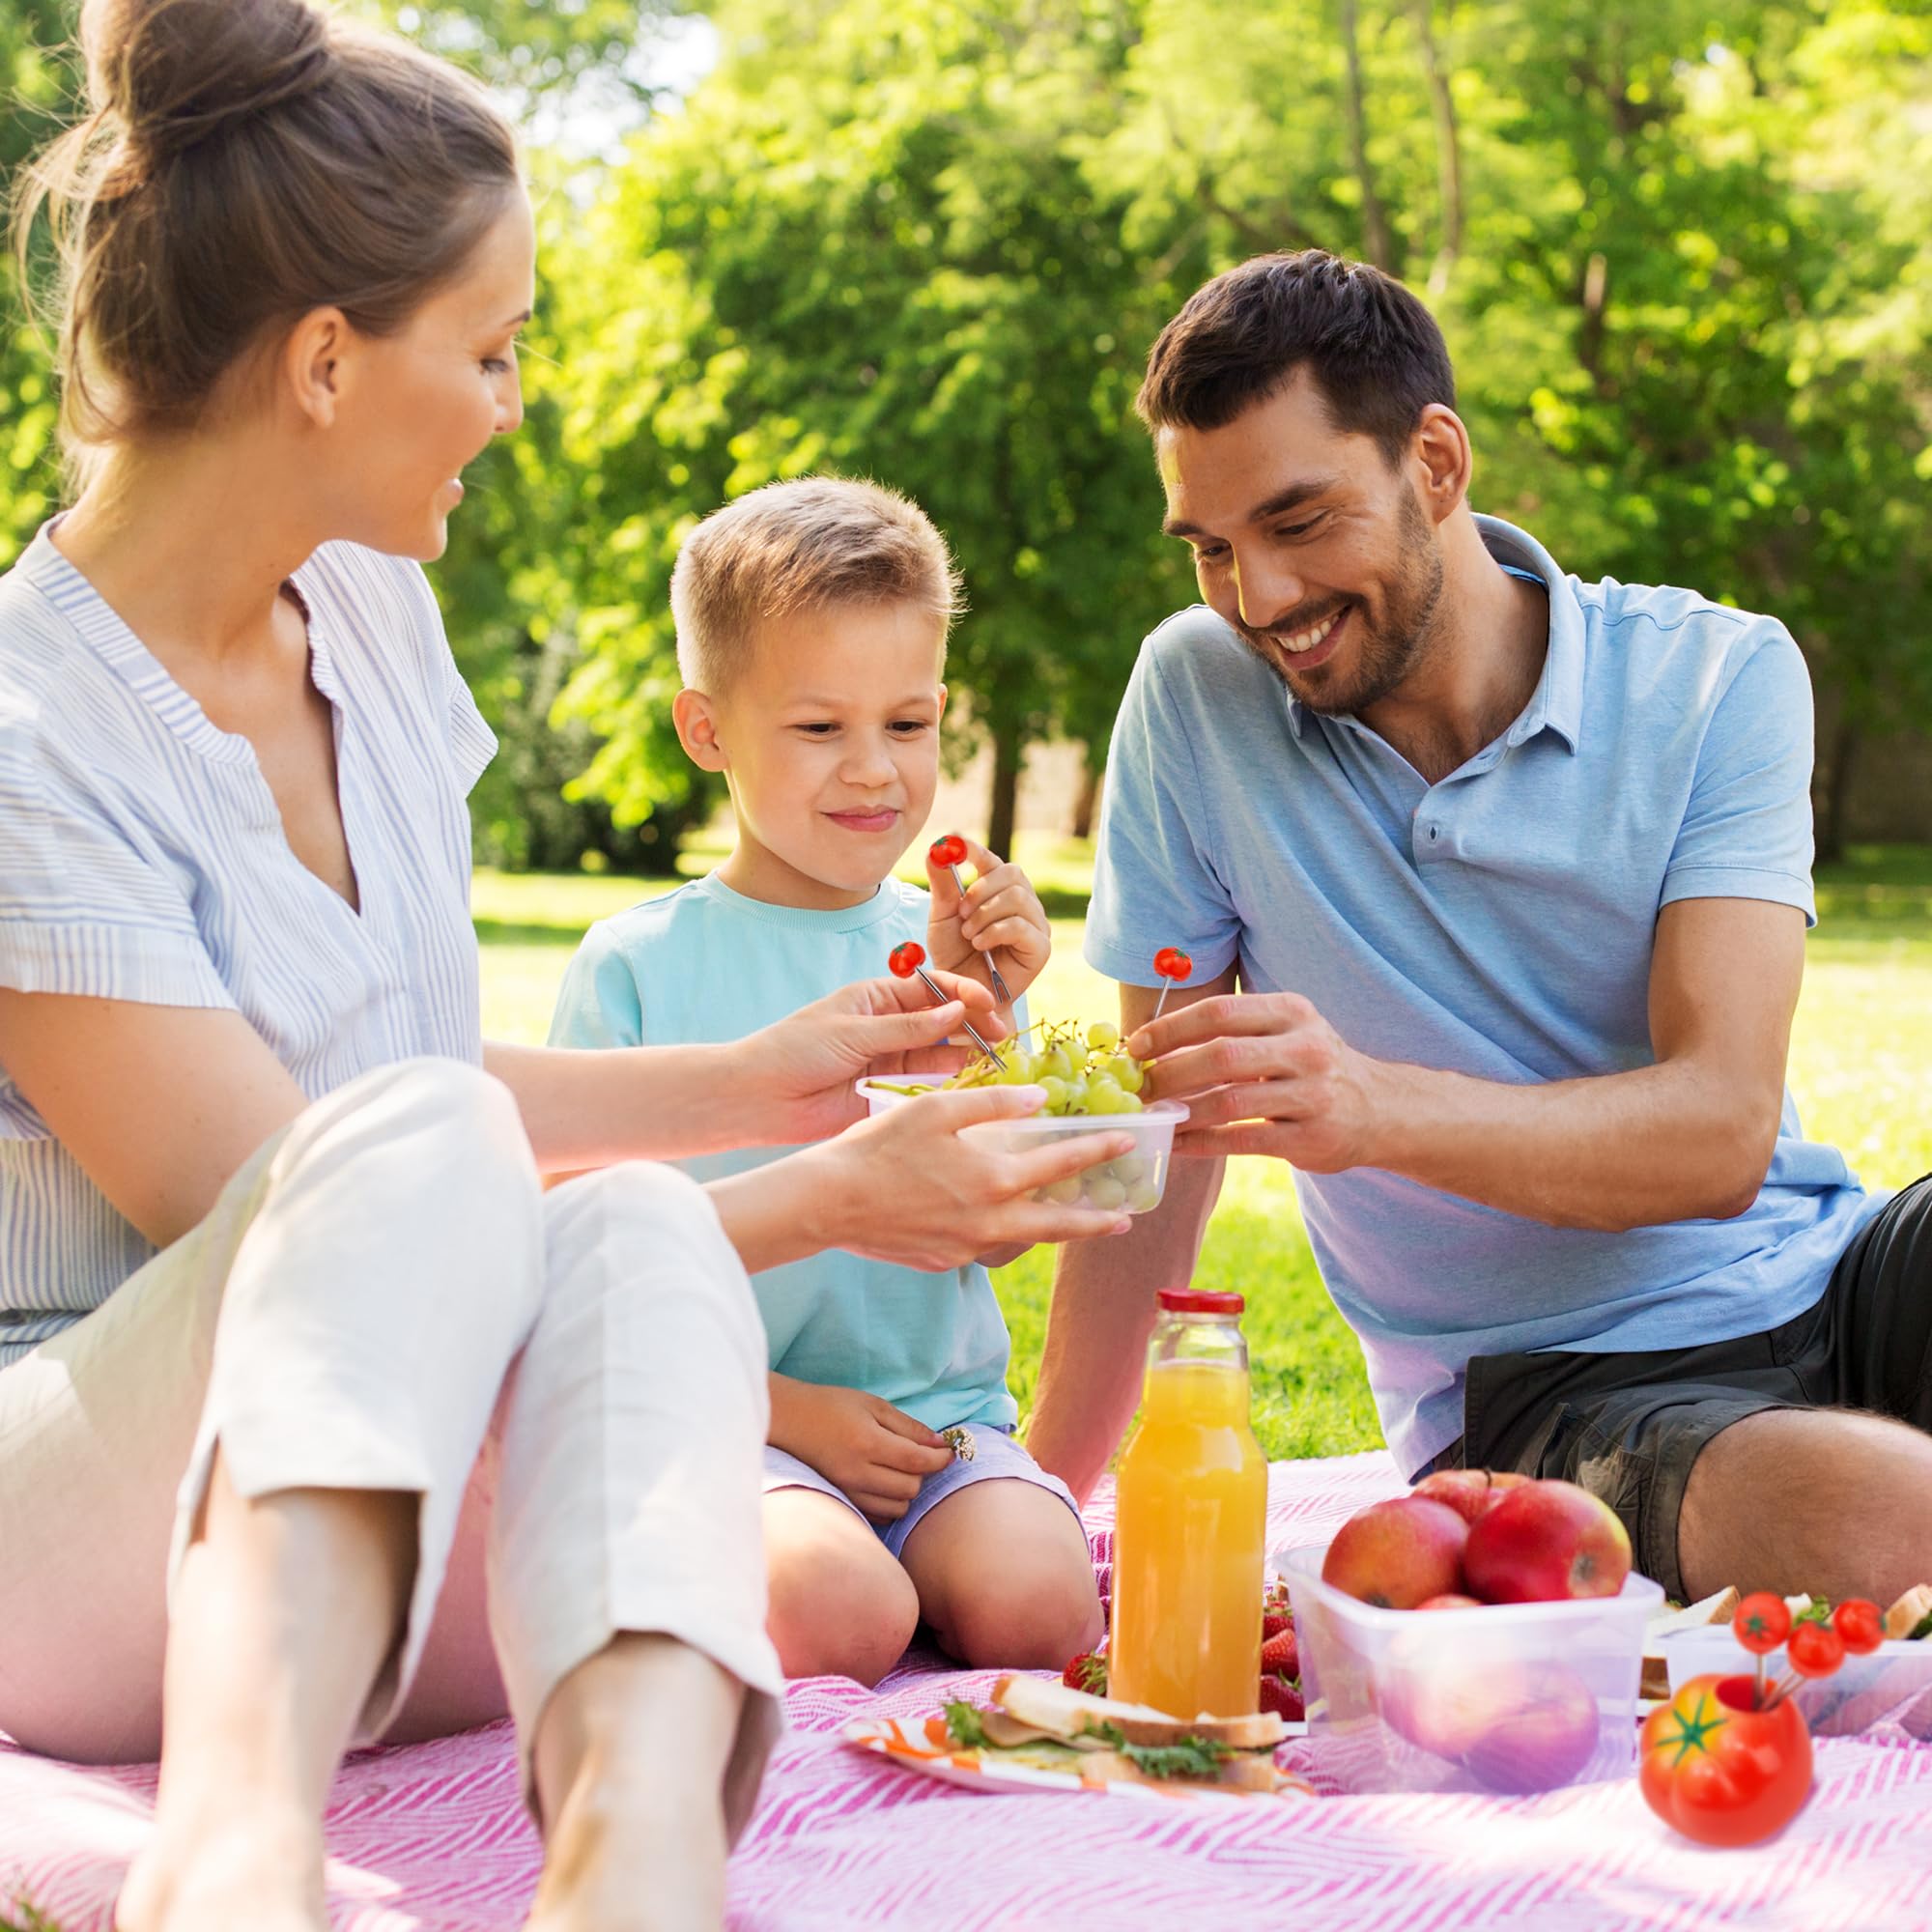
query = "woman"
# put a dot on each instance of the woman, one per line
(303, 1371)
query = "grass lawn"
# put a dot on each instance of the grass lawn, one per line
(1860, 1054)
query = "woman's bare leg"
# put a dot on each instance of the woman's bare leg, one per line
(630, 1763)
(285, 1611)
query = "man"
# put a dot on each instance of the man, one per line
(1513, 874)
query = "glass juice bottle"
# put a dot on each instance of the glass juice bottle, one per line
(1192, 1520)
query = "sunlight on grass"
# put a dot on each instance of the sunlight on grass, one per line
(1861, 1052)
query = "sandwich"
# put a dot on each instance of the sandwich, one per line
(1035, 1722)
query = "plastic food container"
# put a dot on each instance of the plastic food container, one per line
(1506, 1699)
(1890, 1686)
(1135, 1182)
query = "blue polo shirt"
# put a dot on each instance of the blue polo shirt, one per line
(1498, 923)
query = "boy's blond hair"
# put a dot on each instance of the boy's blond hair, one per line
(801, 546)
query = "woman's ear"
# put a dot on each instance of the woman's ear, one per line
(696, 720)
(312, 363)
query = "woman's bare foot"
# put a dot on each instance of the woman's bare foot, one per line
(630, 1763)
(244, 1874)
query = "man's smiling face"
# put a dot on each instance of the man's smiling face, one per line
(1310, 544)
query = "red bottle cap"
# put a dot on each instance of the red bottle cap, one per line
(1201, 1301)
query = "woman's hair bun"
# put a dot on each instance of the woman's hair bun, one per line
(178, 73)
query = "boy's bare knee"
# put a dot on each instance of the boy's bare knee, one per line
(1035, 1613)
(840, 1604)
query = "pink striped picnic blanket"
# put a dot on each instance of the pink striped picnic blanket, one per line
(433, 1839)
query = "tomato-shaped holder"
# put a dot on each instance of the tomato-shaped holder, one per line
(1132, 1185)
(1718, 1767)
(1505, 1699)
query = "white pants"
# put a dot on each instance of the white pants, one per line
(385, 1298)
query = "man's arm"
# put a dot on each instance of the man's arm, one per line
(1687, 1137)
(1103, 1301)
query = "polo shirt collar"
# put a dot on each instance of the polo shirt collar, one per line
(1557, 702)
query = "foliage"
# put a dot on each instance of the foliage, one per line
(1681, 250)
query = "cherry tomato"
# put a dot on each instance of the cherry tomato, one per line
(907, 959)
(949, 850)
(1171, 963)
(1721, 1772)
(1858, 1623)
(1815, 1650)
(1762, 1622)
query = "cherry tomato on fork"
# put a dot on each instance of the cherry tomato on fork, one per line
(949, 850)
(907, 959)
(1762, 1622)
(1859, 1623)
(1171, 963)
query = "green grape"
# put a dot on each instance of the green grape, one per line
(1126, 1072)
(1076, 1096)
(1103, 1036)
(1065, 1193)
(1142, 1196)
(1104, 1095)
(1130, 1168)
(1103, 1191)
(1056, 1092)
(1058, 1062)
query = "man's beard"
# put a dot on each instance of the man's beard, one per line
(1380, 657)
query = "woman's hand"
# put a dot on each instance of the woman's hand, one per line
(877, 1454)
(1000, 913)
(803, 1068)
(916, 1189)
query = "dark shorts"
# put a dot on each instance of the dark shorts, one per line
(1628, 1427)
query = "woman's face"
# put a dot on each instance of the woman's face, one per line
(425, 401)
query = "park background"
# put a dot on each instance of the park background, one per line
(1682, 251)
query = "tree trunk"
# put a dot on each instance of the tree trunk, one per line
(1087, 800)
(1448, 148)
(1845, 743)
(1009, 746)
(1376, 239)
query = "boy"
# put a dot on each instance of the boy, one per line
(812, 626)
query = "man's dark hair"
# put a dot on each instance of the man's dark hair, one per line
(1373, 349)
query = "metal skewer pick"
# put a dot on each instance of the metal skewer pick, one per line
(909, 957)
(1171, 964)
(948, 852)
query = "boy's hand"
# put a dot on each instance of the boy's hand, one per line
(877, 1454)
(1001, 913)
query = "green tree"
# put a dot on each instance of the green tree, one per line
(874, 246)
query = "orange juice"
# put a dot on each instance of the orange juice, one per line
(1191, 1524)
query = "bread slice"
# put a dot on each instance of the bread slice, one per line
(1063, 1713)
(1909, 1613)
(1716, 1608)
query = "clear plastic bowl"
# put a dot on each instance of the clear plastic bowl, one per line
(1134, 1182)
(1891, 1687)
(1505, 1698)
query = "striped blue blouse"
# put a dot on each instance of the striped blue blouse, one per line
(142, 856)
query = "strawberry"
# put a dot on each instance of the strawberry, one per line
(1280, 1653)
(1281, 1697)
(1274, 1621)
(1087, 1672)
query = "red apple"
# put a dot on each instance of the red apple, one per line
(1469, 1492)
(1543, 1740)
(1546, 1543)
(1399, 1554)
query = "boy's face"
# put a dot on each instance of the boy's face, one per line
(829, 738)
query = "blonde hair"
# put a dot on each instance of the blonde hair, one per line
(801, 546)
(242, 163)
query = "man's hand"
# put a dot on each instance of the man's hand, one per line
(1263, 1073)
(1001, 911)
(878, 1455)
(805, 1066)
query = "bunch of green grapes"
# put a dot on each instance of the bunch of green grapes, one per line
(1084, 1075)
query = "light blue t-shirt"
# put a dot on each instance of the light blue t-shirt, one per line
(705, 964)
(1498, 923)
